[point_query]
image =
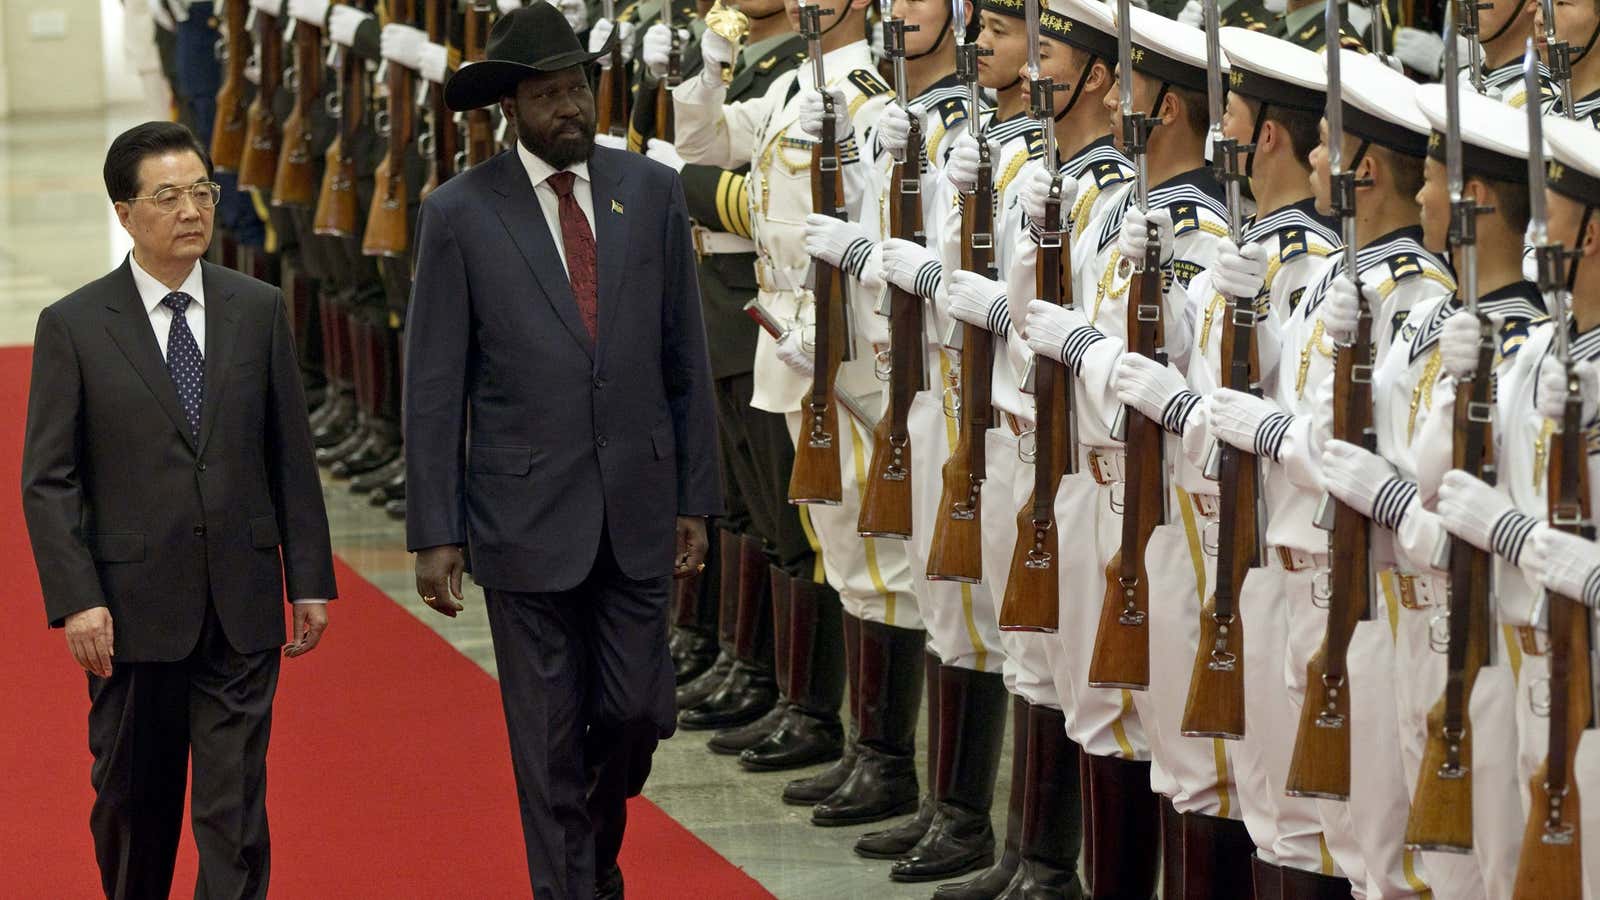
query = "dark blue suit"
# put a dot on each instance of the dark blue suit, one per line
(562, 465)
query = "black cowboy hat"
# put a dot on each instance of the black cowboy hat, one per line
(523, 43)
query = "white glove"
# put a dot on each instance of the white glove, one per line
(665, 153)
(1036, 190)
(811, 115)
(269, 7)
(894, 126)
(715, 52)
(912, 267)
(1248, 422)
(506, 6)
(575, 12)
(1340, 311)
(1192, 14)
(402, 44)
(979, 301)
(1139, 228)
(1048, 327)
(792, 351)
(875, 40)
(600, 35)
(1240, 271)
(962, 166)
(611, 141)
(1483, 516)
(1552, 398)
(1564, 563)
(657, 48)
(433, 62)
(311, 12)
(1422, 51)
(1157, 391)
(343, 20)
(163, 14)
(1366, 483)
(838, 242)
(1458, 345)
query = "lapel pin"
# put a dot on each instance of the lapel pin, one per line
(616, 207)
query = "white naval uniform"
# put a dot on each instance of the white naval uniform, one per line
(873, 577)
(1506, 85)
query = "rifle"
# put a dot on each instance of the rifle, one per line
(388, 233)
(1441, 811)
(337, 208)
(1215, 706)
(1122, 643)
(480, 138)
(769, 324)
(440, 140)
(1032, 600)
(228, 130)
(258, 165)
(294, 183)
(1550, 867)
(666, 124)
(816, 477)
(1320, 766)
(612, 113)
(886, 502)
(956, 553)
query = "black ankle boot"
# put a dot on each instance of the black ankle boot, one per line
(883, 783)
(896, 841)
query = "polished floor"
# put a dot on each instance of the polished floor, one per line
(57, 231)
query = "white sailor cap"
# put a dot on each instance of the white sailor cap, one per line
(1380, 105)
(1085, 24)
(1573, 169)
(1164, 49)
(1494, 136)
(1273, 71)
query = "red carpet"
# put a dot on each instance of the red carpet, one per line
(389, 773)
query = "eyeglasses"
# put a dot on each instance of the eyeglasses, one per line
(205, 194)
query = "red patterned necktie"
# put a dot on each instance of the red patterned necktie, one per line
(578, 242)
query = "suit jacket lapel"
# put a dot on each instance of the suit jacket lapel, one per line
(610, 236)
(129, 327)
(520, 212)
(222, 326)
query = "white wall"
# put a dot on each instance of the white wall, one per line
(61, 70)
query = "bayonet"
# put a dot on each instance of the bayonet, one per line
(1559, 53)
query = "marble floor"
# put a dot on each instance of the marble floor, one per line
(57, 231)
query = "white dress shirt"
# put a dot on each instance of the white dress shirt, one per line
(152, 292)
(538, 172)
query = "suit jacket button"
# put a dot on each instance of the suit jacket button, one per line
(600, 440)
(599, 382)
(199, 531)
(201, 466)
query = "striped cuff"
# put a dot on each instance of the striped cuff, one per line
(928, 279)
(1176, 413)
(854, 259)
(1078, 342)
(1510, 533)
(1393, 500)
(1269, 435)
(1000, 316)
(849, 151)
(1591, 588)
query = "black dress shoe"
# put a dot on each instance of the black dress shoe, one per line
(608, 884)
(353, 440)
(958, 841)
(341, 421)
(367, 482)
(745, 696)
(706, 683)
(695, 653)
(880, 787)
(378, 451)
(799, 740)
(737, 740)
(396, 509)
(814, 789)
(898, 840)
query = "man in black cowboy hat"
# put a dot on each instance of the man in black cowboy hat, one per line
(581, 485)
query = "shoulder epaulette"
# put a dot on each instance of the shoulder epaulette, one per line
(1109, 173)
(1036, 144)
(951, 110)
(1292, 243)
(1404, 265)
(1513, 334)
(1185, 218)
(868, 82)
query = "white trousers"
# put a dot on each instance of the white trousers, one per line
(1010, 482)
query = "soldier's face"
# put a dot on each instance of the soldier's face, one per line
(1576, 20)
(554, 115)
(932, 19)
(1144, 94)
(1434, 198)
(1494, 16)
(1319, 172)
(1065, 65)
(1007, 39)
(1238, 119)
(1563, 215)
(162, 236)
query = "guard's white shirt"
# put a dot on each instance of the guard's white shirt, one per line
(152, 292)
(539, 173)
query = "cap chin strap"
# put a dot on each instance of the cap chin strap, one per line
(1155, 108)
(949, 18)
(1014, 82)
(1588, 45)
(1255, 140)
(1575, 253)
(1077, 89)
(1510, 21)
(837, 21)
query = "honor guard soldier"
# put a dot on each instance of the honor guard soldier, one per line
(1252, 15)
(1577, 28)
(1504, 26)
(776, 133)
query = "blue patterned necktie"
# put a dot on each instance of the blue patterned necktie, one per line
(184, 362)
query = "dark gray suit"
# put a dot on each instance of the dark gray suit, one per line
(562, 464)
(191, 545)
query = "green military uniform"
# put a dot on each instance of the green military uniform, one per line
(1308, 27)
(1252, 15)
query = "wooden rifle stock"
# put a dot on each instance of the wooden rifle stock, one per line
(258, 165)
(1215, 706)
(295, 183)
(612, 109)
(666, 123)
(1320, 766)
(387, 231)
(444, 138)
(228, 129)
(1121, 657)
(480, 138)
(337, 205)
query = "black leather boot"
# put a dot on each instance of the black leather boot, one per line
(1267, 879)
(1052, 813)
(1172, 881)
(896, 841)
(367, 482)
(816, 788)
(694, 641)
(972, 725)
(694, 692)
(381, 447)
(750, 689)
(809, 731)
(737, 740)
(1124, 816)
(1299, 884)
(1216, 858)
(883, 783)
(992, 881)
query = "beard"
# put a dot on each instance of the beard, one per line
(560, 149)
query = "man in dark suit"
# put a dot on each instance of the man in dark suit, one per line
(560, 435)
(171, 496)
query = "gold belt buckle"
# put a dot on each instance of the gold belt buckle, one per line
(1528, 637)
(1094, 466)
(1286, 559)
(1016, 426)
(697, 237)
(1408, 591)
(1206, 505)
